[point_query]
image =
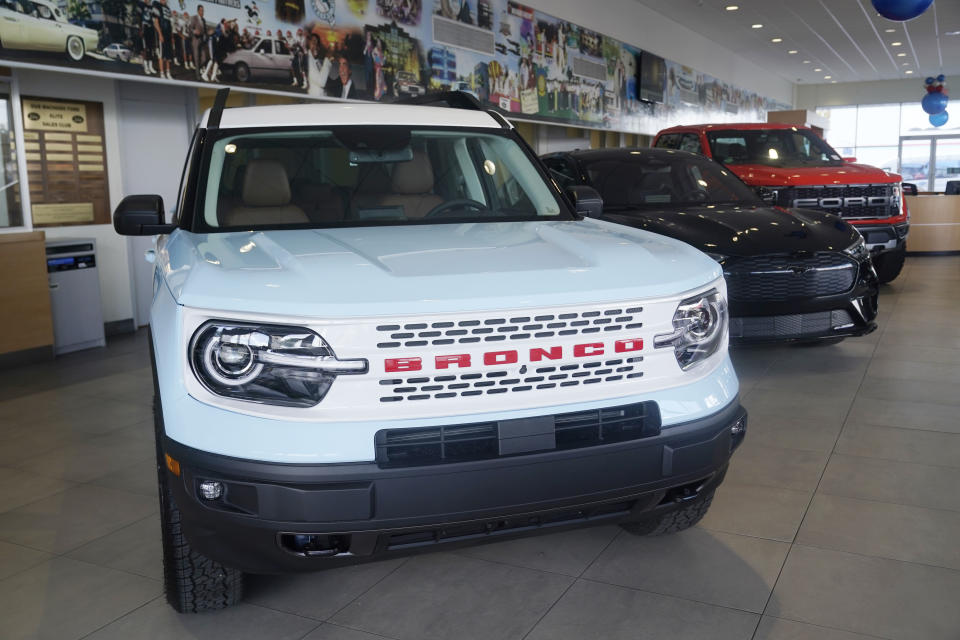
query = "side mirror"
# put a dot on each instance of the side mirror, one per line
(910, 189)
(586, 200)
(850, 160)
(767, 195)
(141, 216)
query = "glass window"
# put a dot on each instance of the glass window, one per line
(842, 131)
(264, 47)
(690, 142)
(349, 176)
(668, 141)
(562, 170)
(948, 163)
(281, 48)
(656, 181)
(878, 125)
(772, 147)
(882, 157)
(11, 213)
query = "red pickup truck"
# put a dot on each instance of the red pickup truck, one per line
(793, 167)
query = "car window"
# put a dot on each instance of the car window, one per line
(350, 176)
(668, 141)
(772, 147)
(280, 47)
(690, 142)
(43, 11)
(656, 181)
(264, 47)
(562, 170)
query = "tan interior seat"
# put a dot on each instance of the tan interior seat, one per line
(323, 203)
(412, 184)
(265, 198)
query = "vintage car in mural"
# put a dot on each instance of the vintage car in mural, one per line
(268, 59)
(792, 275)
(407, 85)
(117, 51)
(797, 168)
(40, 25)
(379, 339)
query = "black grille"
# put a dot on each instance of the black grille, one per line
(482, 440)
(504, 329)
(788, 326)
(842, 200)
(776, 278)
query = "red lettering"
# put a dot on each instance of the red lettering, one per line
(402, 364)
(554, 353)
(590, 349)
(500, 357)
(624, 346)
(461, 360)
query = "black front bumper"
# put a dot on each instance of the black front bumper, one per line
(852, 313)
(883, 238)
(354, 512)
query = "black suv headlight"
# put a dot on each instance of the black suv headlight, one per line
(700, 325)
(288, 366)
(858, 250)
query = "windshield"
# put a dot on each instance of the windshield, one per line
(661, 180)
(352, 176)
(773, 148)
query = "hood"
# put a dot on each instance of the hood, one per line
(763, 176)
(390, 270)
(745, 231)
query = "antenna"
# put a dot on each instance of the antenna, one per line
(219, 102)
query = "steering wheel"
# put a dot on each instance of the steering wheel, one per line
(444, 208)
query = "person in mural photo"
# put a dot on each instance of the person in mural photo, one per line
(163, 25)
(368, 47)
(380, 85)
(197, 28)
(185, 41)
(147, 37)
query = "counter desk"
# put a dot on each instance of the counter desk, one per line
(934, 224)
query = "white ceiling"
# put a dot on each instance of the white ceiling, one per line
(846, 39)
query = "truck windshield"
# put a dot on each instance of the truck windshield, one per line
(772, 147)
(376, 175)
(652, 182)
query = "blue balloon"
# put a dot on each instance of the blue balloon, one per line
(939, 119)
(930, 80)
(901, 10)
(934, 103)
(941, 78)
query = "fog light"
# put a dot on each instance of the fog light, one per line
(211, 490)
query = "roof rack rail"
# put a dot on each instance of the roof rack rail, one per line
(216, 112)
(453, 99)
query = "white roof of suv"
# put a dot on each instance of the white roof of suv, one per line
(332, 114)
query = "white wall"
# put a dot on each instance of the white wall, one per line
(636, 24)
(113, 263)
(811, 96)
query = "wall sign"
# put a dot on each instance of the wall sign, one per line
(511, 57)
(66, 162)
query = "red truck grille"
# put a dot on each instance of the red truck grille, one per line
(854, 202)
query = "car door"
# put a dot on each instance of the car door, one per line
(11, 25)
(260, 60)
(280, 60)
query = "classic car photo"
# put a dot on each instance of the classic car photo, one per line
(119, 52)
(267, 59)
(39, 25)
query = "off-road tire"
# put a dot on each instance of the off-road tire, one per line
(672, 521)
(192, 582)
(890, 264)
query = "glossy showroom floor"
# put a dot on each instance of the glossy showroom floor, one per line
(839, 519)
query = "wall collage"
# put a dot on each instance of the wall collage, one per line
(522, 61)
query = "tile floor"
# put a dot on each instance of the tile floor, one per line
(839, 519)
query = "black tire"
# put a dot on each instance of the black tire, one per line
(241, 72)
(192, 582)
(889, 264)
(75, 48)
(672, 521)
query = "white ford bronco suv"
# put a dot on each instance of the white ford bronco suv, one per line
(381, 329)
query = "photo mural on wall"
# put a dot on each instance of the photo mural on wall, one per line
(519, 60)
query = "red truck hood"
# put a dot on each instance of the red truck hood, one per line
(757, 175)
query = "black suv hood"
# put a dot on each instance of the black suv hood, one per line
(743, 230)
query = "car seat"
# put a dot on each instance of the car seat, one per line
(412, 186)
(265, 198)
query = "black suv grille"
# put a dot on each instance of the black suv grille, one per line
(777, 278)
(485, 440)
(849, 201)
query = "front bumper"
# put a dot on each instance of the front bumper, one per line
(881, 238)
(852, 313)
(355, 512)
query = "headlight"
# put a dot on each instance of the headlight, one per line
(858, 250)
(289, 366)
(700, 325)
(896, 199)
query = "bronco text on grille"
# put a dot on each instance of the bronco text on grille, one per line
(848, 201)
